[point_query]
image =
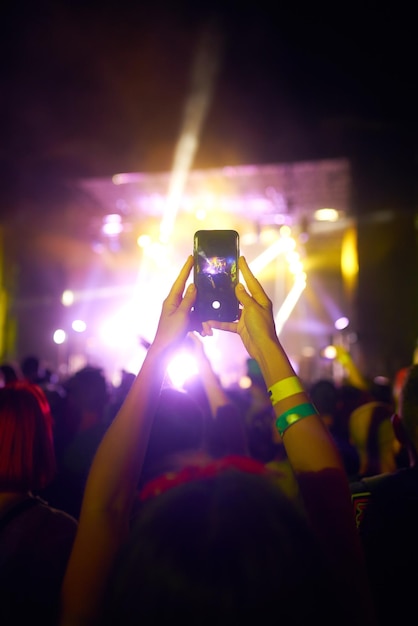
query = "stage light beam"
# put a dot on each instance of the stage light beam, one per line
(289, 303)
(204, 72)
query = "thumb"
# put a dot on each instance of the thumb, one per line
(189, 297)
(242, 294)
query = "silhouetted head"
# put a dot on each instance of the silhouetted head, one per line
(31, 369)
(8, 373)
(218, 550)
(324, 394)
(27, 461)
(381, 390)
(372, 434)
(87, 389)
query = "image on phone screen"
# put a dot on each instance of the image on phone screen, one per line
(216, 274)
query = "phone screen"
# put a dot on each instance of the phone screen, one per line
(216, 274)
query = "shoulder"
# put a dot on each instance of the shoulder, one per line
(36, 538)
(360, 499)
(34, 517)
(51, 516)
(385, 497)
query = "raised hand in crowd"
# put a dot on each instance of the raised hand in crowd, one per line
(104, 524)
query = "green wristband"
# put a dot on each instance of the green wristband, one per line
(293, 415)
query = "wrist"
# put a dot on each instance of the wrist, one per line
(159, 351)
(273, 362)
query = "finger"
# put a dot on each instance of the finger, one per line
(242, 295)
(179, 284)
(204, 330)
(207, 329)
(188, 298)
(195, 339)
(231, 327)
(253, 284)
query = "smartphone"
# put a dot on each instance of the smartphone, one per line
(216, 255)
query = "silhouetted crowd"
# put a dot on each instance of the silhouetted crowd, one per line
(224, 515)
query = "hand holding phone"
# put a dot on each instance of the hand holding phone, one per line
(215, 254)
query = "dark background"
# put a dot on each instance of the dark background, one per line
(90, 89)
(95, 88)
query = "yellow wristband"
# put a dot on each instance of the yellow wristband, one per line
(284, 389)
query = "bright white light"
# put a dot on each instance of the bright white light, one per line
(249, 239)
(119, 331)
(341, 323)
(112, 225)
(182, 367)
(285, 231)
(125, 178)
(59, 336)
(330, 352)
(79, 326)
(267, 236)
(245, 382)
(200, 214)
(203, 75)
(296, 267)
(289, 304)
(134, 364)
(326, 215)
(292, 257)
(208, 201)
(67, 297)
(270, 253)
(157, 252)
(143, 241)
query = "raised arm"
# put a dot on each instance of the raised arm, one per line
(315, 460)
(353, 375)
(114, 475)
(214, 390)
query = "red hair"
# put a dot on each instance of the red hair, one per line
(27, 458)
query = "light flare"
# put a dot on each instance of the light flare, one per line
(203, 77)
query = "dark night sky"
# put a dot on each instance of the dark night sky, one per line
(98, 88)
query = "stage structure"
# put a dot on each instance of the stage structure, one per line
(294, 222)
(95, 273)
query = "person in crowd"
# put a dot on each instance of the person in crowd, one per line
(8, 373)
(242, 423)
(263, 441)
(118, 394)
(381, 390)
(371, 433)
(327, 397)
(386, 511)
(224, 425)
(35, 539)
(77, 436)
(32, 371)
(176, 437)
(223, 544)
